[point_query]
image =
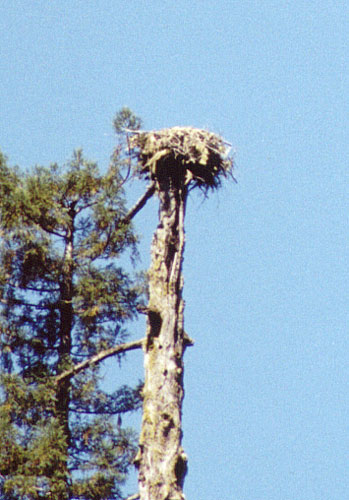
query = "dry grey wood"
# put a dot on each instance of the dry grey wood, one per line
(177, 160)
(140, 203)
(133, 497)
(106, 353)
(161, 460)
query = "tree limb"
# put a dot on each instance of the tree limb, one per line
(97, 358)
(133, 497)
(140, 203)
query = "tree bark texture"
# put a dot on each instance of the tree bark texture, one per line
(161, 460)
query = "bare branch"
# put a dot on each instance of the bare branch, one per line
(129, 346)
(133, 497)
(140, 203)
(132, 131)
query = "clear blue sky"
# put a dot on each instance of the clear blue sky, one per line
(266, 263)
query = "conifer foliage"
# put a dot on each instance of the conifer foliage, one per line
(63, 299)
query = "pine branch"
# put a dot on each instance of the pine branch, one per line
(42, 226)
(40, 290)
(16, 302)
(140, 203)
(97, 358)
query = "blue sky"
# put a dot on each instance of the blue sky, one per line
(266, 262)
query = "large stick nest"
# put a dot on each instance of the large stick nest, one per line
(185, 155)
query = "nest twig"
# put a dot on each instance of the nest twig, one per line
(185, 154)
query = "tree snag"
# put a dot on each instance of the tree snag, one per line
(175, 160)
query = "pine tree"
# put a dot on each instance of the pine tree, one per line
(64, 301)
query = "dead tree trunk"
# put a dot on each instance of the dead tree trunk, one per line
(161, 460)
(175, 160)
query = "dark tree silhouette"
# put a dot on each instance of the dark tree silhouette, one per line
(64, 301)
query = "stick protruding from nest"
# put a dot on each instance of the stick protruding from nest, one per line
(186, 154)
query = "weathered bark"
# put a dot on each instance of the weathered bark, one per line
(161, 460)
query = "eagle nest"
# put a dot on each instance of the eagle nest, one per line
(183, 154)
